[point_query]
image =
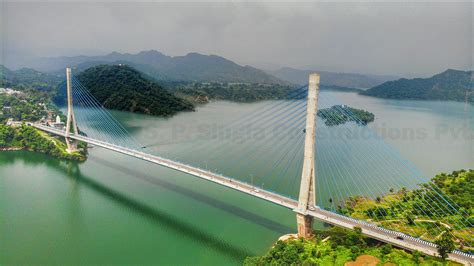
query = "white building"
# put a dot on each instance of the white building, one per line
(9, 91)
(58, 124)
(13, 123)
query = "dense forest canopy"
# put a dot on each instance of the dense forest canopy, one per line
(123, 88)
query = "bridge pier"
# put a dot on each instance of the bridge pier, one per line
(305, 225)
(71, 119)
(307, 196)
(71, 145)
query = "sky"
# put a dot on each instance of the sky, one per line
(406, 39)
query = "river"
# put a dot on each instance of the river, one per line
(115, 209)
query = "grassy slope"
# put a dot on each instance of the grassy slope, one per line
(393, 210)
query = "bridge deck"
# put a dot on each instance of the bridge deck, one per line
(373, 231)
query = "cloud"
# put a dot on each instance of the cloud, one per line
(391, 38)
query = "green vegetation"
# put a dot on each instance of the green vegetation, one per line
(459, 186)
(445, 244)
(123, 88)
(29, 105)
(341, 114)
(239, 92)
(338, 246)
(451, 85)
(410, 211)
(28, 102)
(29, 138)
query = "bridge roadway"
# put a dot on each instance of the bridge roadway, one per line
(388, 236)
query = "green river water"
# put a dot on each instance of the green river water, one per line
(116, 209)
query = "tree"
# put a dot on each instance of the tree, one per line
(377, 212)
(445, 244)
(6, 135)
(386, 249)
(355, 252)
(355, 237)
(358, 230)
(403, 190)
(417, 255)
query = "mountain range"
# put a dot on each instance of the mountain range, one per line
(350, 80)
(197, 67)
(190, 67)
(27, 78)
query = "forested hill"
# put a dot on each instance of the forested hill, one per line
(123, 88)
(27, 78)
(454, 85)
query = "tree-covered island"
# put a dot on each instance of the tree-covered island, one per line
(341, 114)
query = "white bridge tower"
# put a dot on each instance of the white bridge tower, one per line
(71, 119)
(307, 196)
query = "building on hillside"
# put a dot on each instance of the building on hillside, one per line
(13, 123)
(9, 91)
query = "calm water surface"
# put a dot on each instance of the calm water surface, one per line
(116, 209)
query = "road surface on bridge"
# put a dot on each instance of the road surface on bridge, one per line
(371, 230)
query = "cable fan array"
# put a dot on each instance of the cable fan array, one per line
(264, 147)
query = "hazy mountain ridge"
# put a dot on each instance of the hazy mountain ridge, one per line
(27, 78)
(190, 67)
(351, 80)
(451, 85)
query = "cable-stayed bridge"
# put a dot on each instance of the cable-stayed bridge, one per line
(289, 166)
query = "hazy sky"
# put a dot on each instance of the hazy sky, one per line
(381, 38)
